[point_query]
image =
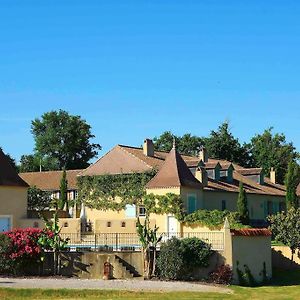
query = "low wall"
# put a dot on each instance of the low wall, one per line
(281, 258)
(253, 252)
(90, 265)
(248, 248)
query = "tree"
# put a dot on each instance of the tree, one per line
(242, 205)
(165, 141)
(187, 144)
(38, 199)
(64, 137)
(291, 181)
(271, 150)
(221, 144)
(34, 163)
(285, 228)
(63, 201)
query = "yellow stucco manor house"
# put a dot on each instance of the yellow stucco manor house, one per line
(202, 183)
(13, 196)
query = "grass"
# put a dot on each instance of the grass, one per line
(285, 286)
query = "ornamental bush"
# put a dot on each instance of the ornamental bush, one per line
(222, 275)
(178, 259)
(20, 248)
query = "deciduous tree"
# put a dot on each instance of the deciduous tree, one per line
(222, 144)
(65, 138)
(272, 150)
(285, 228)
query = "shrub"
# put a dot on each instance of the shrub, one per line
(170, 260)
(179, 258)
(5, 245)
(222, 275)
(213, 219)
(23, 248)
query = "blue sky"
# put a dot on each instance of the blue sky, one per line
(134, 69)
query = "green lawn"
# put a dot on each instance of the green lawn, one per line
(283, 287)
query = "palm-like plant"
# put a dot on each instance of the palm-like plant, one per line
(54, 242)
(149, 239)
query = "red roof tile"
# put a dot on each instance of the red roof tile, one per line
(173, 173)
(50, 180)
(251, 232)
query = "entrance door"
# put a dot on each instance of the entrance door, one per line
(172, 226)
(5, 224)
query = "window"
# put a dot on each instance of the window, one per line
(191, 203)
(142, 211)
(123, 224)
(108, 224)
(75, 194)
(66, 224)
(130, 211)
(223, 204)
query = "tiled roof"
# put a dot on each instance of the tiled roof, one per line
(250, 186)
(250, 171)
(120, 160)
(8, 175)
(173, 173)
(251, 232)
(50, 180)
(127, 159)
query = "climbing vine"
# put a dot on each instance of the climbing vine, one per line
(165, 204)
(113, 192)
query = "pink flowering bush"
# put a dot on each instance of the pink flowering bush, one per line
(23, 248)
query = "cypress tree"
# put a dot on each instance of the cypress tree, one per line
(242, 205)
(63, 191)
(291, 181)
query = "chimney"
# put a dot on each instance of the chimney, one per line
(203, 154)
(273, 175)
(148, 147)
(201, 175)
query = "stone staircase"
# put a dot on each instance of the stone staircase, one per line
(122, 269)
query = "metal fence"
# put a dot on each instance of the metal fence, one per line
(130, 241)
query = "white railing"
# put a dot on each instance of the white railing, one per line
(130, 241)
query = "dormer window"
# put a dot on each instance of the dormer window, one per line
(213, 170)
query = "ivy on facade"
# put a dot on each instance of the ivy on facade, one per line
(113, 192)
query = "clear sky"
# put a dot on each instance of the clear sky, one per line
(134, 69)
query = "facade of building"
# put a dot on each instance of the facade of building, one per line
(13, 195)
(50, 181)
(202, 183)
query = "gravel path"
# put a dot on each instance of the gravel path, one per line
(130, 285)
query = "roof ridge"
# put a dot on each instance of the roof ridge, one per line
(136, 157)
